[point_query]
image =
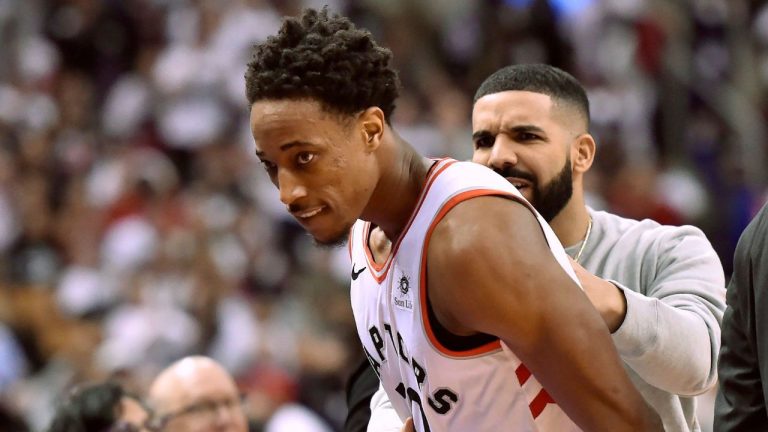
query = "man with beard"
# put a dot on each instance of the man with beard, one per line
(450, 314)
(660, 289)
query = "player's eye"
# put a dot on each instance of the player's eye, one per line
(304, 158)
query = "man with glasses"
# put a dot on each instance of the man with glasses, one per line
(196, 394)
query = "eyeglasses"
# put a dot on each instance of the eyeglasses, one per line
(197, 412)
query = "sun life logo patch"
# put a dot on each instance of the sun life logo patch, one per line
(402, 293)
(404, 284)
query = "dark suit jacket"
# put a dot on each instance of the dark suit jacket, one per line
(361, 386)
(741, 400)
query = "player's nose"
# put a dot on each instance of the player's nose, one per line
(291, 189)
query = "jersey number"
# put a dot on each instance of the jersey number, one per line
(441, 402)
(413, 396)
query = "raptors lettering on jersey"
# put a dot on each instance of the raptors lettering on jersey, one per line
(444, 388)
(442, 398)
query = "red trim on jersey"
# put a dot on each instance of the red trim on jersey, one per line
(450, 204)
(522, 373)
(540, 402)
(379, 271)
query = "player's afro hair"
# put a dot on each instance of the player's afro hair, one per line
(322, 57)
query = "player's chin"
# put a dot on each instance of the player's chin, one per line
(331, 242)
(331, 238)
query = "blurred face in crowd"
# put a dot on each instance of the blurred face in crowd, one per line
(322, 163)
(197, 395)
(132, 416)
(100, 405)
(527, 138)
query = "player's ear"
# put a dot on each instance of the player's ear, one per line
(371, 123)
(583, 153)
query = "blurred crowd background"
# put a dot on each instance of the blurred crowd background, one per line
(137, 226)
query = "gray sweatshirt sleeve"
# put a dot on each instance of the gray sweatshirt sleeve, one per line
(671, 333)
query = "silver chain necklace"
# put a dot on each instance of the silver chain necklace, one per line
(584, 243)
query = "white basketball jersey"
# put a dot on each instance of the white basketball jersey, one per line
(485, 388)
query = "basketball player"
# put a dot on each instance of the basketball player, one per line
(660, 289)
(474, 309)
(742, 400)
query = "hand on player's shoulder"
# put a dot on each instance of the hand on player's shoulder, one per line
(607, 298)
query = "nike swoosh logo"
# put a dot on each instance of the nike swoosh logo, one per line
(356, 274)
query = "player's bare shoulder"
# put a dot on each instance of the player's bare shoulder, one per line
(473, 246)
(475, 227)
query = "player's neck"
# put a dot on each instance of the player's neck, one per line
(570, 225)
(379, 244)
(399, 189)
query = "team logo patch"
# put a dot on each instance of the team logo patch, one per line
(402, 293)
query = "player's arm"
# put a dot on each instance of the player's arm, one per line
(490, 270)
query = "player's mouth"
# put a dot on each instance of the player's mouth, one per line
(306, 214)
